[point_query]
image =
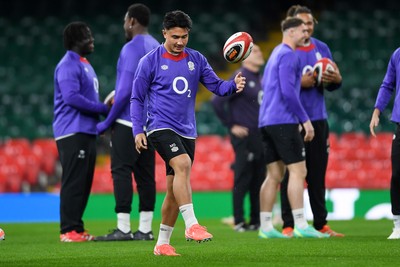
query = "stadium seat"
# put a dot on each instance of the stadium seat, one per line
(352, 139)
(336, 179)
(16, 146)
(46, 150)
(30, 164)
(3, 182)
(333, 139)
(382, 140)
(102, 181)
(14, 175)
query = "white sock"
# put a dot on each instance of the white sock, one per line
(187, 212)
(124, 222)
(396, 221)
(266, 221)
(145, 220)
(299, 218)
(164, 234)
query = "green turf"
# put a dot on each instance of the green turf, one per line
(365, 244)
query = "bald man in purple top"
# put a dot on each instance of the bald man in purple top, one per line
(124, 157)
(169, 77)
(239, 112)
(281, 112)
(390, 85)
(76, 113)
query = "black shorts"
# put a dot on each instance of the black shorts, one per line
(169, 145)
(283, 142)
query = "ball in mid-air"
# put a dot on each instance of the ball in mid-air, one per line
(238, 47)
(321, 66)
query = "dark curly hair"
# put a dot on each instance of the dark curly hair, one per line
(177, 18)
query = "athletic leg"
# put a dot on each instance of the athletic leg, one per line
(242, 177)
(317, 152)
(77, 157)
(395, 180)
(257, 178)
(123, 157)
(286, 210)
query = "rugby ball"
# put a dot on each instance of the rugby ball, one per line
(2, 235)
(319, 68)
(109, 100)
(238, 47)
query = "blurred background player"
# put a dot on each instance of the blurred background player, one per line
(76, 113)
(390, 84)
(239, 113)
(170, 75)
(280, 114)
(317, 150)
(124, 157)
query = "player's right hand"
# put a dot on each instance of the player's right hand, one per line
(240, 82)
(239, 131)
(140, 142)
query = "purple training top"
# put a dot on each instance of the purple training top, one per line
(281, 85)
(243, 108)
(312, 98)
(128, 61)
(171, 84)
(76, 97)
(389, 84)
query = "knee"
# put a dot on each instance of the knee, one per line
(181, 164)
(274, 177)
(301, 173)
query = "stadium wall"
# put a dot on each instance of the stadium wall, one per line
(343, 204)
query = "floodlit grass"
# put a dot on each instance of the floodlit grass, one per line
(365, 244)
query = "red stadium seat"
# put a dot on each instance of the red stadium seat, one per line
(46, 149)
(333, 140)
(16, 146)
(48, 145)
(208, 143)
(102, 181)
(161, 180)
(382, 140)
(30, 163)
(334, 164)
(352, 139)
(14, 177)
(3, 181)
(340, 179)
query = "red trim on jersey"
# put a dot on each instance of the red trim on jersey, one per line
(175, 58)
(84, 60)
(306, 48)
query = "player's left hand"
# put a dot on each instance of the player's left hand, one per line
(240, 82)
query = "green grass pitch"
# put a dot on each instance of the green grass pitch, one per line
(365, 244)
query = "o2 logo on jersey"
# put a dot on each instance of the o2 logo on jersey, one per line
(96, 84)
(306, 69)
(178, 82)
